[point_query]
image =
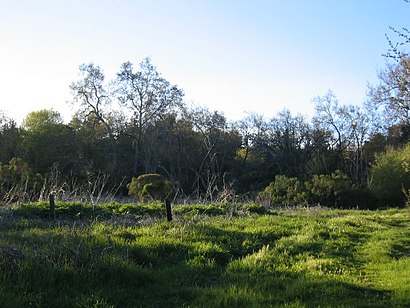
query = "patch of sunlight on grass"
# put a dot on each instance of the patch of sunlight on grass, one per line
(261, 261)
(231, 296)
(295, 240)
(387, 258)
(393, 275)
(202, 262)
(317, 266)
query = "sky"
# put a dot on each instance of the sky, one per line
(233, 56)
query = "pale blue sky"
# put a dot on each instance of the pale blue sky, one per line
(234, 56)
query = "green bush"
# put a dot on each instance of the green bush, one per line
(337, 190)
(334, 190)
(150, 187)
(284, 191)
(329, 189)
(390, 176)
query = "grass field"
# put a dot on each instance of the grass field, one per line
(117, 255)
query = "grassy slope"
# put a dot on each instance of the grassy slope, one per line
(228, 258)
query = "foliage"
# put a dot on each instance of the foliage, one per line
(47, 141)
(138, 124)
(284, 191)
(41, 120)
(335, 190)
(304, 258)
(151, 186)
(18, 182)
(390, 175)
(10, 139)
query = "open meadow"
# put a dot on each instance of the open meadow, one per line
(221, 255)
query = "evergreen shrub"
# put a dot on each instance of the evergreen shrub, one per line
(284, 191)
(337, 190)
(390, 176)
(150, 187)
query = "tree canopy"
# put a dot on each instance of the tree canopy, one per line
(138, 123)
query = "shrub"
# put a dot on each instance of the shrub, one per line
(150, 187)
(390, 175)
(284, 191)
(337, 190)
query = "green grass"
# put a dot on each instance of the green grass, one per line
(220, 255)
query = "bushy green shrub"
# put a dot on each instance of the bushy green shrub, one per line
(284, 191)
(337, 190)
(329, 189)
(150, 187)
(390, 176)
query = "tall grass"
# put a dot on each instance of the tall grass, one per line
(214, 256)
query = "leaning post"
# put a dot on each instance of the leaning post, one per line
(52, 206)
(168, 209)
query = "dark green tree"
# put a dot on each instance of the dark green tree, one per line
(10, 139)
(47, 141)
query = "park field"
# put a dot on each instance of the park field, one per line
(221, 255)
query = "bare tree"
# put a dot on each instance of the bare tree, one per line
(396, 50)
(389, 102)
(351, 126)
(328, 117)
(358, 125)
(148, 96)
(393, 92)
(92, 93)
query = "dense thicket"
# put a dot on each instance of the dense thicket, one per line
(139, 124)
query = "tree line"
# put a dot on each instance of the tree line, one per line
(138, 123)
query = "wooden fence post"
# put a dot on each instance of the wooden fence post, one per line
(52, 206)
(168, 209)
